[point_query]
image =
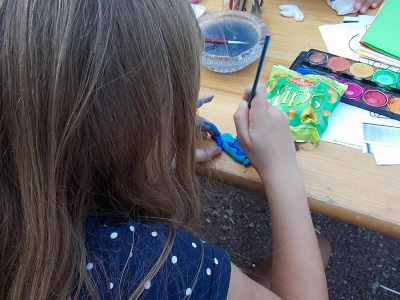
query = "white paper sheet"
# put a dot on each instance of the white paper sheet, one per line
(344, 39)
(345, 125)
(385, 155)
(383, 141)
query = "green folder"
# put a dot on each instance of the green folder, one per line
(384, 33)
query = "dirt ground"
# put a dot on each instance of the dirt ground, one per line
(362, 261)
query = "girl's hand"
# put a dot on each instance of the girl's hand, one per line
(363, 5)
(206, 128)
(207, 153)
(264, 134)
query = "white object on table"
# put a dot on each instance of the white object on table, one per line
(199, 10)
(290, 10)
(344, 39)
(343, 7)
(345, 125)
(383, 141)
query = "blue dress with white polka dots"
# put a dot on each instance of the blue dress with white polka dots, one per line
(122, 254)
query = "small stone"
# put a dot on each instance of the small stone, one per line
(375, 286)
(229, 212)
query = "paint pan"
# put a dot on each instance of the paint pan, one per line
(305, 71)
(375, 98)
(354, 91)
(385, 78)
(361, 71)
(317, 58)
(338, 64)
(394, 105)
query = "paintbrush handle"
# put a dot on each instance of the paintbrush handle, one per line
(216, 41)
(249, 6)
(260, 64)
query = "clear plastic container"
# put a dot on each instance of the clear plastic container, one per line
(234, 26)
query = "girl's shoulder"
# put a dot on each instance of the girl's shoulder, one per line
(123, 253)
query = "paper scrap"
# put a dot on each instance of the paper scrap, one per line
(383, 141)
(199, 10)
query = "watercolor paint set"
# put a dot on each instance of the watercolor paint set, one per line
(369, 87)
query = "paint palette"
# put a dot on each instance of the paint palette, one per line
(369, 87)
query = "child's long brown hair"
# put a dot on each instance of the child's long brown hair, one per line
(97, 98)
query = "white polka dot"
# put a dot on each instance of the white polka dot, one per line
(194, 245)
(174, 259)
(147, 285)
(113, 235)
(89, 266)
(154, 233)
(208, 271)
(188, 291)
(111, 286)
(132, 228)
(203, 242)
(216, 261)
(130, 254)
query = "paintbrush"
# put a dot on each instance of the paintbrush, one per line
(260, 64)
(218, 41)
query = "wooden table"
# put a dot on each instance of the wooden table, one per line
(341, 182)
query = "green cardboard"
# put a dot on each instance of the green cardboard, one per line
(384, 33)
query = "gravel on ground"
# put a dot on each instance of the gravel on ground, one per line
(363, 262)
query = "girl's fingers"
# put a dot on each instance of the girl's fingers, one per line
(241, 118)
(208, 153)
(204, 99)
(207, 127)
(247, 92)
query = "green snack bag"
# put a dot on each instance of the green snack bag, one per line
(308, 101)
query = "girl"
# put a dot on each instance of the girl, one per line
(98, 189)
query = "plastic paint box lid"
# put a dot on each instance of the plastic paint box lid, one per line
(385, 77)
